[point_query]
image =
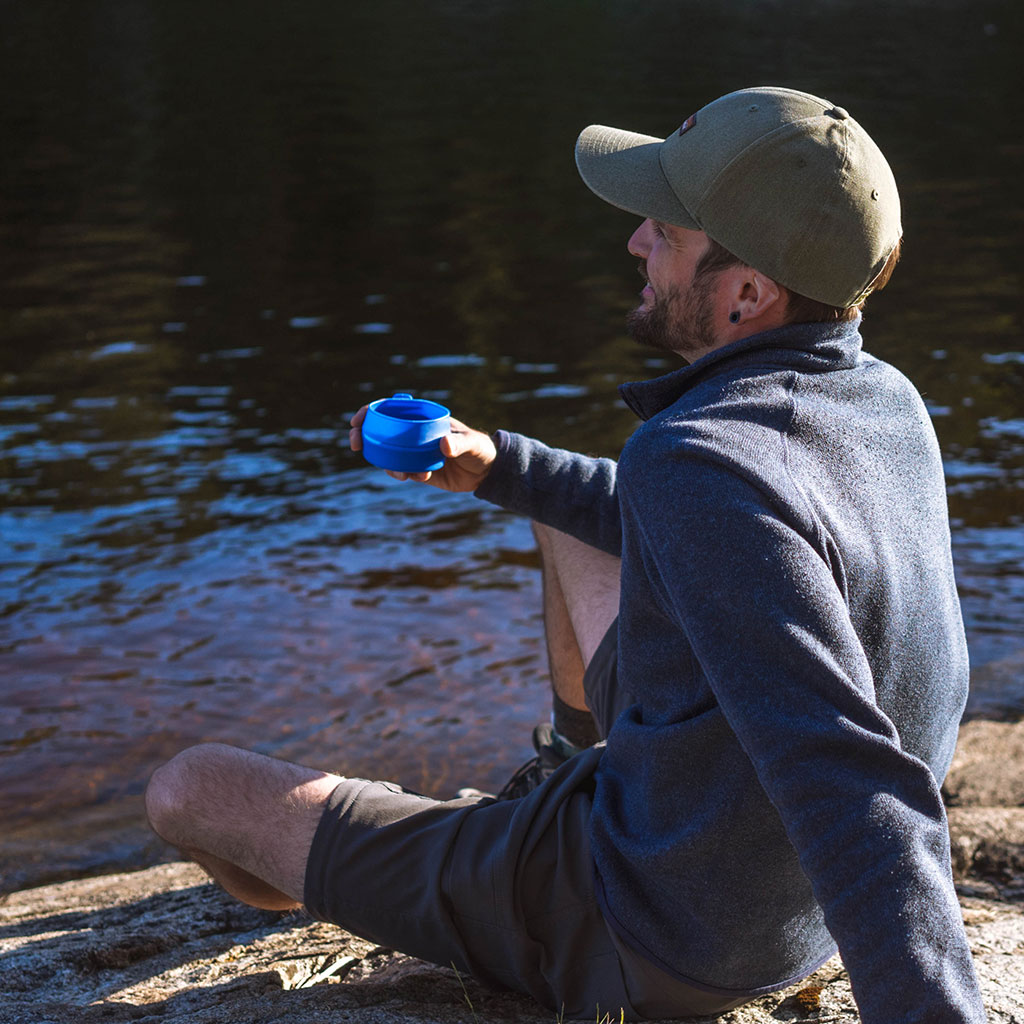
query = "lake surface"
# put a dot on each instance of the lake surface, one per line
(223, 228)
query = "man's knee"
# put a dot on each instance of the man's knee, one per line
(178, 789)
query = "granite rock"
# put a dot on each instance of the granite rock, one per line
(988, 766)
(166, 945)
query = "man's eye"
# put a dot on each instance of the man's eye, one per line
(658, 229)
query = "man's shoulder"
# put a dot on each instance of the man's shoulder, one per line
(716, 446)
(727, 409)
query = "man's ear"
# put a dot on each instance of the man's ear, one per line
(760, 295)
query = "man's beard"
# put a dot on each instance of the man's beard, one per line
(676, 322)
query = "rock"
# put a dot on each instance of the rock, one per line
(166, 945)
(984, 794)
(988, 843)
(988, 766)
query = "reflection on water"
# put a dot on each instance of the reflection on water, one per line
(360, 628)
(222, 234)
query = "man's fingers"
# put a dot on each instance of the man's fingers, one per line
(421, 478)
(460, 442)
(355, 435)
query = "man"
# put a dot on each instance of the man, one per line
(754, 608)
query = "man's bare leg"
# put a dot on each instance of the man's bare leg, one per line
(581, 600)
(249, 820)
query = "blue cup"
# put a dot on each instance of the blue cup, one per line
(404, 434)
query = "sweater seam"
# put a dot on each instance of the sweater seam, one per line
(785, 434)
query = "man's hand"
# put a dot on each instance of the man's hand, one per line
(468, 455)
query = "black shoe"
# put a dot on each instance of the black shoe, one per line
(552, 753)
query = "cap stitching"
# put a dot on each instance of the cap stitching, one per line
(836, 184)
(788, 126)
(599, 143)
(668, 181)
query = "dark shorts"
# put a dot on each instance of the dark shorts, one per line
(502, 890)
(605, 698)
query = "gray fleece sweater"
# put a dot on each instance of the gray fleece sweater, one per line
(790, 627)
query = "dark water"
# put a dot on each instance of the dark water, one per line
(225, 227)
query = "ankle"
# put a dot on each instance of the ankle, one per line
(574, 728)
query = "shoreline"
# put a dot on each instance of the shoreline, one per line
(165, 944)
(979, 776)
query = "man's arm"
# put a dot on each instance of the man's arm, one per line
(573, 493)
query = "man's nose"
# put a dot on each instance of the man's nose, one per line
(639, 242)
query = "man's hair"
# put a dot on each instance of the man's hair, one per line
(799, 308)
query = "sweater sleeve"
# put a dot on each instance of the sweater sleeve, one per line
(770, 628)
(573, 493)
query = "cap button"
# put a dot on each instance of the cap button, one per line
(838, 113)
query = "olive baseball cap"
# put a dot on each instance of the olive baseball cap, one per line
(786, 181)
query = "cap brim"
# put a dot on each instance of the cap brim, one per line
(624, 169)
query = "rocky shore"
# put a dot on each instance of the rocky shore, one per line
(164, 945)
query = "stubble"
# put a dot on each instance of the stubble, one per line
(677, 322)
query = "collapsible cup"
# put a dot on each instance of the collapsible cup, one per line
(404, 434)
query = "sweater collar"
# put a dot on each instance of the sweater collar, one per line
(813, 348)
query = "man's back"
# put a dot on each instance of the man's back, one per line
(787, 598)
